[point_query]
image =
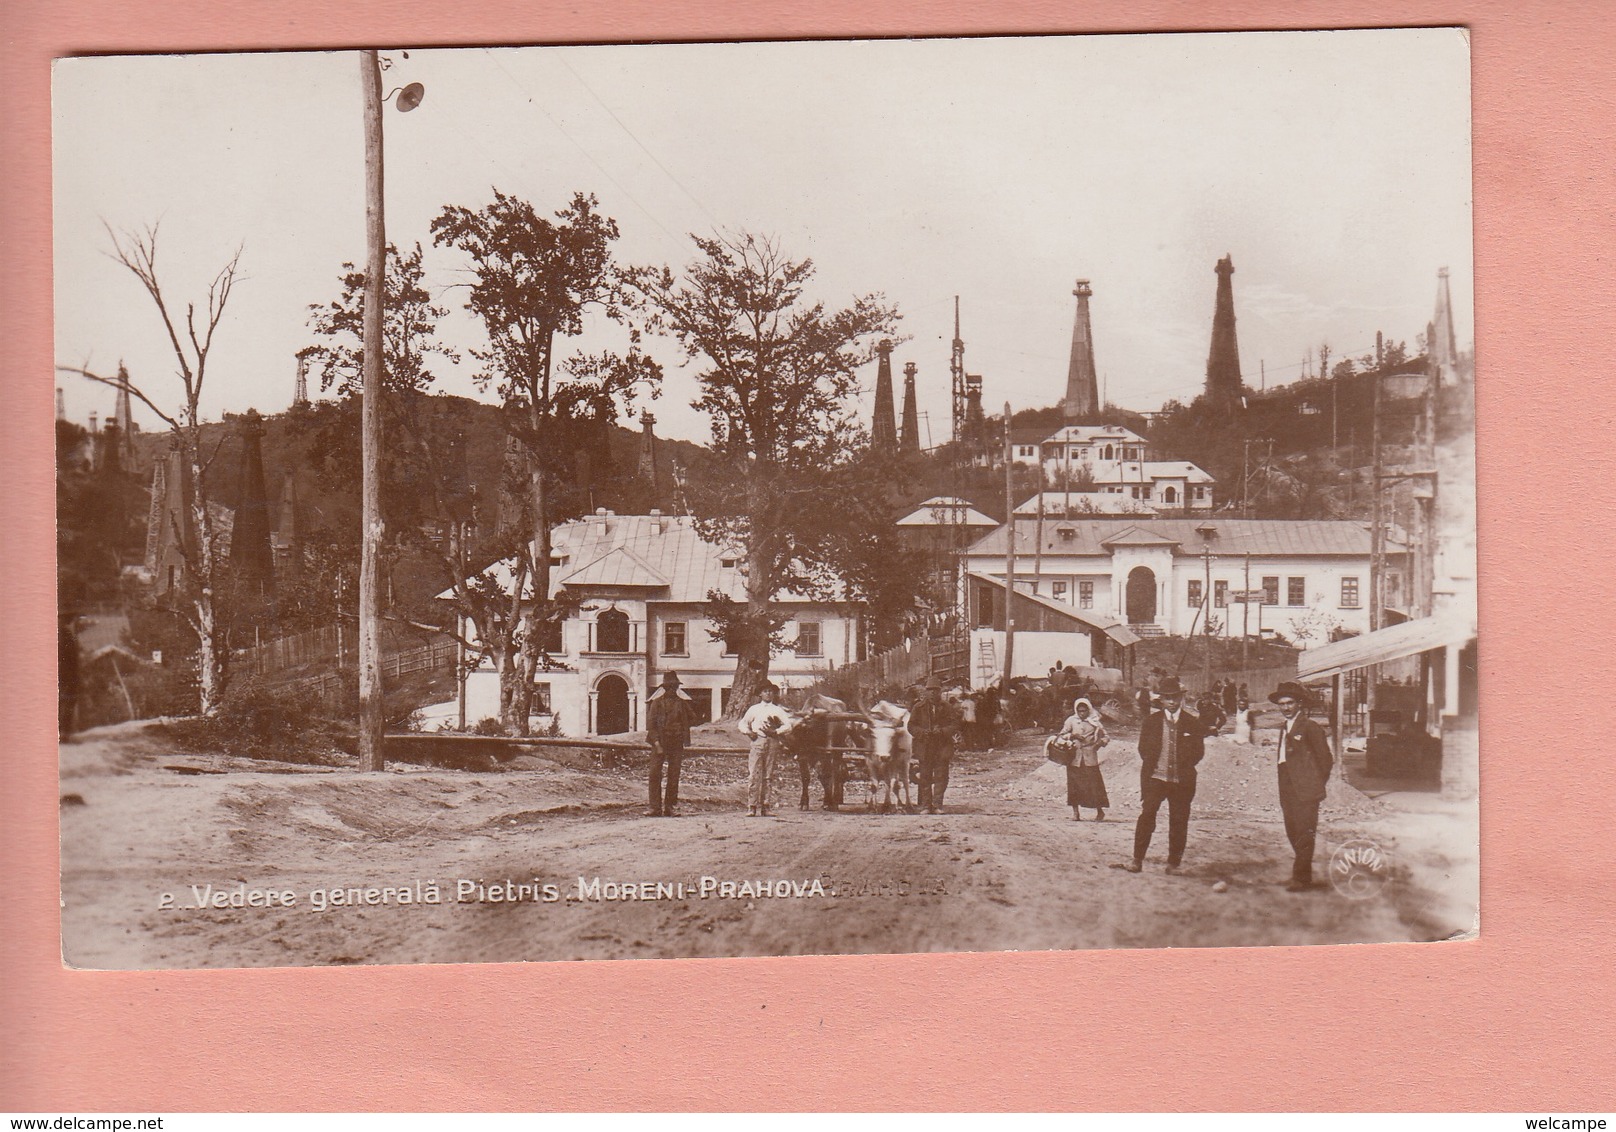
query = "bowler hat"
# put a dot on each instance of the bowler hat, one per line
(934, 685)
(1170, 687)
(1291, 689)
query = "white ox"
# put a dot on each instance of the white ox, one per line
(890, 753)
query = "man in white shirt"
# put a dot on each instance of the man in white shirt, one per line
(763, 723)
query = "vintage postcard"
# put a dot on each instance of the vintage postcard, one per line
(740, 499)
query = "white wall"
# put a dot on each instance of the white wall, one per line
(1036, 653)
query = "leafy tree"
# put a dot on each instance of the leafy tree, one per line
(778, 376)
(533, 281)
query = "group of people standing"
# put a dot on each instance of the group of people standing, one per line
(1172, 743)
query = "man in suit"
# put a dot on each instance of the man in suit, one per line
(1304, 768)
(668, 718)
(933, 723)
(1171, 744)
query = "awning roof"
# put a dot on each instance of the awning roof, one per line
(1116, 630)
(1391, 643)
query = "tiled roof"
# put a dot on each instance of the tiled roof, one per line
(663, 554)
(1272, 537)
(617, 567)
(945, 510)
(1086, 503)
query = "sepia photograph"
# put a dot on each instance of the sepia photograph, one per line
(765, 498)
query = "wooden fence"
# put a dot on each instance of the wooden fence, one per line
(332, 644)
(328, 687)
(895, 670)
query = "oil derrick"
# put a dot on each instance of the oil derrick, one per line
(1082, 385)
(956, 377)
(1440, 341)
(252, 560)
(884, 428)
(909, 437)
(648, 462)
(1223, 389)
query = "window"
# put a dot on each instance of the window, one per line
(612, 631)
(729, 561)
(1193, 597)
(1107, 453)
(701, 703)
(728, 649)
(673, 639)
(1060, 590)
(1026, 450)
(541, 699)
(550, 637)
(1349, 593)
(1135, 489)
(1220, 594)
(807, 638)
(1270, 591)
(723, 699)
(1085, 595)
(1295, 591)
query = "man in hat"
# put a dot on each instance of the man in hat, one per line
(668, 717)
(764, 723)
(1304, 768)
(1171, 744)
(933, 723)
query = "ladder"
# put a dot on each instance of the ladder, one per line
(987, 666)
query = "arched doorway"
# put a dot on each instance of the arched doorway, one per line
(1141, 595)
(611, 705)
(1170, 495)
(611, 632)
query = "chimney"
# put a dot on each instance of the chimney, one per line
(599, 521)
(657, 526)
(92, 420)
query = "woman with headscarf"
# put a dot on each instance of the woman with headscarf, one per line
(1084, 784)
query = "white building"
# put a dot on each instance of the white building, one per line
(642, 582)
(1078, 504)
(1302, 579)
(1110, 460)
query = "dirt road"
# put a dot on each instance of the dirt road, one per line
(231, 863)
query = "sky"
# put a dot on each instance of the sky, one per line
(1334, 167)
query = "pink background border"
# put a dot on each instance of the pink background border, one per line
(1520, 1020)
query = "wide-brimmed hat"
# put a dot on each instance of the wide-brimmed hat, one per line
(671, 677)
(1291, 689)
(1170, 687)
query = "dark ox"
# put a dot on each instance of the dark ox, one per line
(825, 730)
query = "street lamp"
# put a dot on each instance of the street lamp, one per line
(370, 685)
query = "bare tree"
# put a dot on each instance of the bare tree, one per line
(191, 337)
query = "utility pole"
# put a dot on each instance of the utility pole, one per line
(1245, 623)
(1206, 622)
(370, 685)
(956, 377)
(1009, 561)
